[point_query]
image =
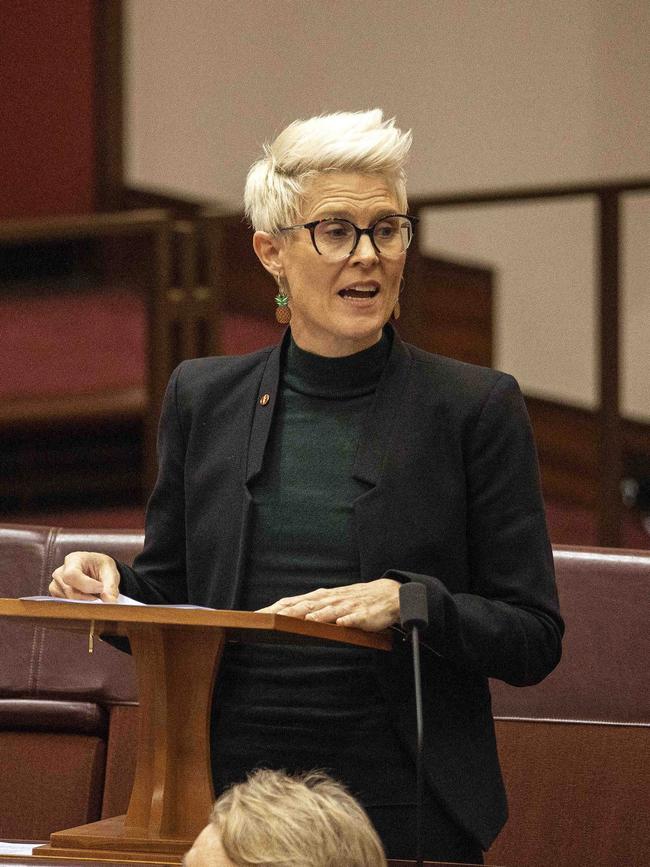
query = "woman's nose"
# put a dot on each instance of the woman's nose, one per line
(365, 250)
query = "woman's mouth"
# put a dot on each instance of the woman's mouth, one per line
(359, 292)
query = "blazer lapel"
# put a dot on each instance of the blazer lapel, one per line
(265, 397)
(378, 433)
(265, 402)
(382, 419)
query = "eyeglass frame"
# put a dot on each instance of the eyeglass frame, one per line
(369, 230)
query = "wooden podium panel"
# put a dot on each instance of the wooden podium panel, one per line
(177, 652)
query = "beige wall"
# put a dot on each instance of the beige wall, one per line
(497, 93)
(545, 309)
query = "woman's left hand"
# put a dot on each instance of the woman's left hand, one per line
(371, 606)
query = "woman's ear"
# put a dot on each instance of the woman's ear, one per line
(268, 250)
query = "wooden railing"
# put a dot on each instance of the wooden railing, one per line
(143, 264)
(610, 432)
(96, 442)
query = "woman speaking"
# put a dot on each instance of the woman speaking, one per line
(315, 477)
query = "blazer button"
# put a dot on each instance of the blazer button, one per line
(265, 399)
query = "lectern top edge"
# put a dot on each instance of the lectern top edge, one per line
(106, 616)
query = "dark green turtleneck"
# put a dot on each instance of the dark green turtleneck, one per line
(301, 707)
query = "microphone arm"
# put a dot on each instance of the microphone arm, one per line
(414, 616)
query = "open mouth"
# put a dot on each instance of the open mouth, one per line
(363, 292)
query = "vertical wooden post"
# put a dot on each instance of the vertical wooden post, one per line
(158, 361)
(214, 232)
(173, 793)
(108, 107)
(610, 447)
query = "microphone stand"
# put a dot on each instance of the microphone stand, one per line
(419, 764)
(414, 616)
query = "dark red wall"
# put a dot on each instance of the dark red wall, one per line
(46, 107)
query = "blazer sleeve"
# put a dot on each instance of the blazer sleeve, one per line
(158, 575)
(508, 624)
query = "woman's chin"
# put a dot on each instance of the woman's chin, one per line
(364, 323)
(354, 336)
(343, 332)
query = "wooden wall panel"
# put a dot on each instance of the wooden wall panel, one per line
(46, 107)
(568, 444)
(447, 308)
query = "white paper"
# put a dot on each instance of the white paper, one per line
(17, 848)
(121, 600)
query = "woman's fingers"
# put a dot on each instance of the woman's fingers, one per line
(86, 575)
(304, 603)
(70, 586)
(110, 578)
(298, 607)
(372, 606)
(328, 613)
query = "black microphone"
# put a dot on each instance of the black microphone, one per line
(413, 608)
(414, 616)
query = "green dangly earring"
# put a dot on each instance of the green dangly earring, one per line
(282, 311)
(397, 309)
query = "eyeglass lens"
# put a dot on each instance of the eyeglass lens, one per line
(337, 238)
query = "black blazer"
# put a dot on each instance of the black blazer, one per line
(452, 500)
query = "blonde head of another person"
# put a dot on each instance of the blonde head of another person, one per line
(276, 820)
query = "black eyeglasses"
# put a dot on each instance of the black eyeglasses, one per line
(337, 239)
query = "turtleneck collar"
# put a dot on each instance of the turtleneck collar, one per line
(348, 376)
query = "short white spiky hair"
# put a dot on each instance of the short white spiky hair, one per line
(347, 141)
(309, 820)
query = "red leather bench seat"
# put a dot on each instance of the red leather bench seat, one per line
(59, 745)
(575, 749)
(49, 715)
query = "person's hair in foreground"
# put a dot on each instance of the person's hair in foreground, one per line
(295, 821)
(347, 141)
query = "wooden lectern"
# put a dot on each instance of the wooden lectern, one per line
(177, 653)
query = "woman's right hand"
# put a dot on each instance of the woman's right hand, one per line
(86, 575)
